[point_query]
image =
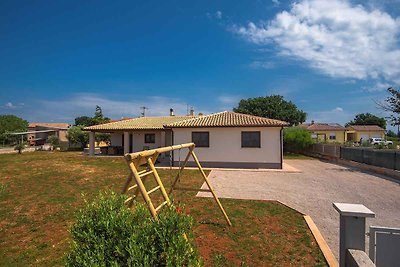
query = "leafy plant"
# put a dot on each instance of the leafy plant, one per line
(296, 139)
(107, 233)
(54, 140)
(20, 147)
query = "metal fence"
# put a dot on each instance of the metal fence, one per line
(389, 159)
(331, 150)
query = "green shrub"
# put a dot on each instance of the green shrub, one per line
(296, 139)
(20, 147)
(54, 141)
(107, 233)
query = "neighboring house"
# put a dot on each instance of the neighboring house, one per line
(39, 132)
(224, 139)
(364, 132)
(326, 132)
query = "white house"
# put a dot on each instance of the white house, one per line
(224, 139)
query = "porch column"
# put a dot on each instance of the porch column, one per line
(91, 143)
(133, 142)
(126, 142)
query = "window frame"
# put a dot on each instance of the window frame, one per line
(247, 146)
(202, 132)
(151, 141)
(332, 134)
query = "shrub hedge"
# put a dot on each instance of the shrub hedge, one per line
(107, 233)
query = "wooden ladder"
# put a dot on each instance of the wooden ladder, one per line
(148, 158)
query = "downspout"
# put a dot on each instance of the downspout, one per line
(281, 146)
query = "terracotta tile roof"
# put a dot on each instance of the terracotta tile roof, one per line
(141, 123)
(227, 119)
(366, 128)
(323, 127)
(53, 125)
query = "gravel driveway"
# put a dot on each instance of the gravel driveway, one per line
(312, 191)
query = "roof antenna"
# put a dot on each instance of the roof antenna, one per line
(143, 113)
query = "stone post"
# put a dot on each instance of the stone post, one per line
(91, 144)
(126, 142)
(352, 228)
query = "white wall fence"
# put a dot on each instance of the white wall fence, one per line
(384, 242)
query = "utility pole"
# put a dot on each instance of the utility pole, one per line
(143, 113)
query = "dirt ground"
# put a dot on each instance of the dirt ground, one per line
(312, 191)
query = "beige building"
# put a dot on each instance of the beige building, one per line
(38, 133)
(224, 139)
(364, 132)
(326, 132)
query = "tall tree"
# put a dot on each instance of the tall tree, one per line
(273, 107)
(98, 118)
(367, 119)
(9, 124)
(392, 104)
(84, 121)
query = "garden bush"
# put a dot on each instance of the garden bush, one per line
(107, 233)
(296, 139)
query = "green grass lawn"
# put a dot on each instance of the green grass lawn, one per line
(289, 155)
(41, 191)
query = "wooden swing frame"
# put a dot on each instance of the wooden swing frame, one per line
(148, 158)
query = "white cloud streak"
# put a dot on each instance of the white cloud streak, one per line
(84, 104)
(335, 38)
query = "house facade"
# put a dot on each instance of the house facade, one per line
(326, 132)
(224, 139)
(364, 132)
(335, 133)
(38, 133)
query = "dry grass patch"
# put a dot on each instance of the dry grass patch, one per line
(41, 191)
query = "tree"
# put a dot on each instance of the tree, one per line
(76, 135)
(392, 104)
(99, 117)
(368, 119)
(9, 124)
(89, 121)
(54, 140)
(390, 133)
(19, 147)
(84, 121)
(296, 139)
(273, 107)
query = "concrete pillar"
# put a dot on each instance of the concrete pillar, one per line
(91, 143)
(133, 142)
(352, 228)
(126, 142)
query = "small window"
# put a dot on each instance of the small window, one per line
(149, 138)
(201, 139)
(251, 139)
(332, 136)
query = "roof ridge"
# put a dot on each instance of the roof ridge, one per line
(198, 117)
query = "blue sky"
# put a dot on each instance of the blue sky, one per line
(59, 59)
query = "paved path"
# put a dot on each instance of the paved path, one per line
(312, 191)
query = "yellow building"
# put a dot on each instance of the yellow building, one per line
(326, 132)
(362, 133)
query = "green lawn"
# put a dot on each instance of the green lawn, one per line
(41, 191)
(289, 155)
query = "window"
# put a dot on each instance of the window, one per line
(332, 136)
(201, 139)
(251, 139)
(149, 138)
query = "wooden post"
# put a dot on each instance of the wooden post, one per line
(211, 189)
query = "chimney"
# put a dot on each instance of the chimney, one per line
(312, 122)
(191, 112)
(171, 112)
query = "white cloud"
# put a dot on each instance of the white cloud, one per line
(276, 2)
(216, 15)
(84, 104)
(378, 86)
(334, 37)
(262, 64)
(10, 105)
(336, 115)
(229, 99)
